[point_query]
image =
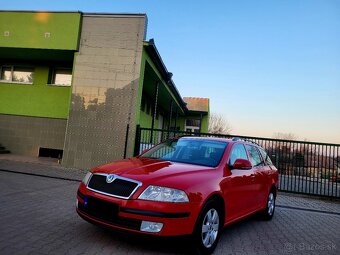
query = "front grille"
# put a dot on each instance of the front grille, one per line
(120, 187)
(106, 212)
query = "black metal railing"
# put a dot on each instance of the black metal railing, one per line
(304, 167)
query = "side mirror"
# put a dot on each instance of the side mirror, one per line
(242, 164)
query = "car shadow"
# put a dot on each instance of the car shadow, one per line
(150, 244)
(144, 244)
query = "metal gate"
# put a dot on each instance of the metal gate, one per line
(304, 167)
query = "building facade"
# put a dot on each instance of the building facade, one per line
(76, 85)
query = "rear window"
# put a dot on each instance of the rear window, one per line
(190, 151)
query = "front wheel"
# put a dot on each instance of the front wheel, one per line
(208, 228)
(268, 213)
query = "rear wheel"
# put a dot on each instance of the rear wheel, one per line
(208, 228)
(268, 213)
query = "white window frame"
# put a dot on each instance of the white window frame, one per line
(193, 129)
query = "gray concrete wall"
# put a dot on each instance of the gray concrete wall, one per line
(24, 135)
(105, 86)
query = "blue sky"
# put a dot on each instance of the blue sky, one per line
(267, 66)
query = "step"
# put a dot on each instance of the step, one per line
(4, 151)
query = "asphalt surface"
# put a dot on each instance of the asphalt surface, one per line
(37, 216)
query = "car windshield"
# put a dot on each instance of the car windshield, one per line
(190, 151)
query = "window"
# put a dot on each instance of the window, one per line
(238, 152)
(6, 73)
(190, 151)
(192, 122)
(255, 156)
(266, 157)
(192, 125)
(62, 77)
(17, 74)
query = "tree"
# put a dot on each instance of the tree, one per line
(218, 124)
(285, 136)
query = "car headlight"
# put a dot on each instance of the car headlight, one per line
(87, 178)
(164, 194)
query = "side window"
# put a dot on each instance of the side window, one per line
(255, 157)
(62, 77)
(266, 157)
(17, 74)
(237, 152)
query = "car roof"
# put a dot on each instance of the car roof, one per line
(220, 139)
(207, 138)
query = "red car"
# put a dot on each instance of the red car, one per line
(184, 186)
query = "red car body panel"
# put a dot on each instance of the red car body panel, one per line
(243, 191)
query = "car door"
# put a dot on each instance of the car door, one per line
(259, 178)
(268, 169)
(238, 186)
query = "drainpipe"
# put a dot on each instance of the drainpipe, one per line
(201, 117)
(154, 113)
(170, 115)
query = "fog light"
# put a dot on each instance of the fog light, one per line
(149, 226)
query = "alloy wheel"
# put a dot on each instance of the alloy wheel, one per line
(271, 204)
(210, 228)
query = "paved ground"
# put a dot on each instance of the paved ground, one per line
(37, 216)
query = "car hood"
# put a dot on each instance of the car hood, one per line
(145, 169)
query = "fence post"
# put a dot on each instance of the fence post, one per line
(137, 141)
(126, 139)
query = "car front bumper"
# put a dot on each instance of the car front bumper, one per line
(128, 214)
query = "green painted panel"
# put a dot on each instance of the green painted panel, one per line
(204, 125)
(181, 123)
(37, 99)
(140, 90)
(39, 30)
(145, 120)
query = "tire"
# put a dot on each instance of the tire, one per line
(268, 213)
(208, 228)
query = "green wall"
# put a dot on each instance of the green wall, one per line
(27, 30)
(204, 125)
(181, 123)
(37, 99)
(145, 120)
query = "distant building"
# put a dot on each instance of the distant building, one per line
(78, 84)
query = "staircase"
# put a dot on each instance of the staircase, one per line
(3, 150)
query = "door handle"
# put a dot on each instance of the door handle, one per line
(252, 176)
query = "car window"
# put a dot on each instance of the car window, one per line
(238, 152)
(266, 157)
(191, 151)
(254, 154)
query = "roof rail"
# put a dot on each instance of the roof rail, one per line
(236, 138)
(244, 139)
